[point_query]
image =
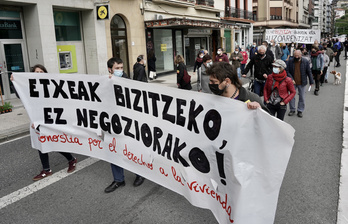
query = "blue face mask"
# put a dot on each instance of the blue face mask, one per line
(275, 70)
(118, 73)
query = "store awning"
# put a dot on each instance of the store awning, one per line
(177, 22)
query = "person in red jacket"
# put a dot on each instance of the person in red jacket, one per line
(245, 60)
(221, 56)
(279, 90)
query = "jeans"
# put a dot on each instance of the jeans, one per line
(278, 109)
(316, 77)
(242, 66)
(301, 100)
(258, 87)
(118, 173)
(46, 162)
(322, 77)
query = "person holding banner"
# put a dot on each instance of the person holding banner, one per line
(115, 68)
(224, 81)
(46, 170)
(279, 90)
(262, 64)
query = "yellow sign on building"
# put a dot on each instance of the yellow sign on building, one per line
(163, 47)
(103, 12)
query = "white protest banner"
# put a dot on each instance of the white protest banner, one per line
(210, 149)
(303, 36)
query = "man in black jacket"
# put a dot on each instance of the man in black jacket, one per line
(345, 48)
(262, 64)
(139, 69)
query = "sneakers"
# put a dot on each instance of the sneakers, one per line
(291, 113)
(299, 114)
(72, 165)
(316, 92)
(42, 175)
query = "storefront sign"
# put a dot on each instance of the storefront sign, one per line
(163, 47)
(304, 36)
(197, 46)
(212, 150)
(102, 12)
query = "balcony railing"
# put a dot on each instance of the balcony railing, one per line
(279, 18)
(239, 13)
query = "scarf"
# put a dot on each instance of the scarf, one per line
(200, 60)
(278, 77)
(316, 54)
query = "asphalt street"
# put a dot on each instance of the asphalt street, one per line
(309, 193)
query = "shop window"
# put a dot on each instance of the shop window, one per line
(67, 26)
(163, 42)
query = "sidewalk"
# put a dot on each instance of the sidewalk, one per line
(16, 123)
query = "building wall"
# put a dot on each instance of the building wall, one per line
(40, 34)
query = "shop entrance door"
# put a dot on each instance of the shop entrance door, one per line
(195, 45)
(11, 60)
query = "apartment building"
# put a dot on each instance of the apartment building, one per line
(272, 14)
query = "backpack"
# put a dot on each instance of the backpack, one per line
(187, 77)
(337, 46)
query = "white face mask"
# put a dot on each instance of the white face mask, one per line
(219, 52)
(201, 56)
(144, 62)
(118, 73)
(209, 64)
(275, 70)
(236, 52)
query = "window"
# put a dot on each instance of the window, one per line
(67, 26)
(10, 25)
(276, 13)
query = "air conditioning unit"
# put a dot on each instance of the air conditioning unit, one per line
(158, 16)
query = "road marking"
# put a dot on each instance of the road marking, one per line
(38, 185)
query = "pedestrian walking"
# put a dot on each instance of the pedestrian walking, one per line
(203, 78)
(236, 57)
(183, 79)
(345, 48)
(151, 64)
(317, 59)
(198, 62)
(299, 70)
(139, 69)
(277, 52)
(221, 56)
(262, 68)
(337, 48)
(279, 90)
(245, 60)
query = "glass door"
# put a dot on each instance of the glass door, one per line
(11, 60)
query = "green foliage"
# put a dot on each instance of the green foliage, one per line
(7, 106)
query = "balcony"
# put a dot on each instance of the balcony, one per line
(177, 3)
(239, 13)
(206, 5)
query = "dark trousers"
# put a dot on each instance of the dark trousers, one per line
(278, 109)
(316, 77)
(45, 160)
(242, 66)
(345, 52)
(337, 58)
(322, 77)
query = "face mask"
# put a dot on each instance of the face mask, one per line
(261, 55)
(275, 70)
(214, 88)
(144, 62)
(201, 56)
(313, 52)
(292, 45)
(305, 53)
(209, 64)
(284, 47)
(236, 52)
(118, 73)
(254, 45)
(219, 52)
(296, 59)
(242, 49)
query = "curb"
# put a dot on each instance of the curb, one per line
(342, 210)
(15, 133)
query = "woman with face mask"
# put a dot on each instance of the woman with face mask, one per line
(279, 90)
(198, 62)
(202, 77)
